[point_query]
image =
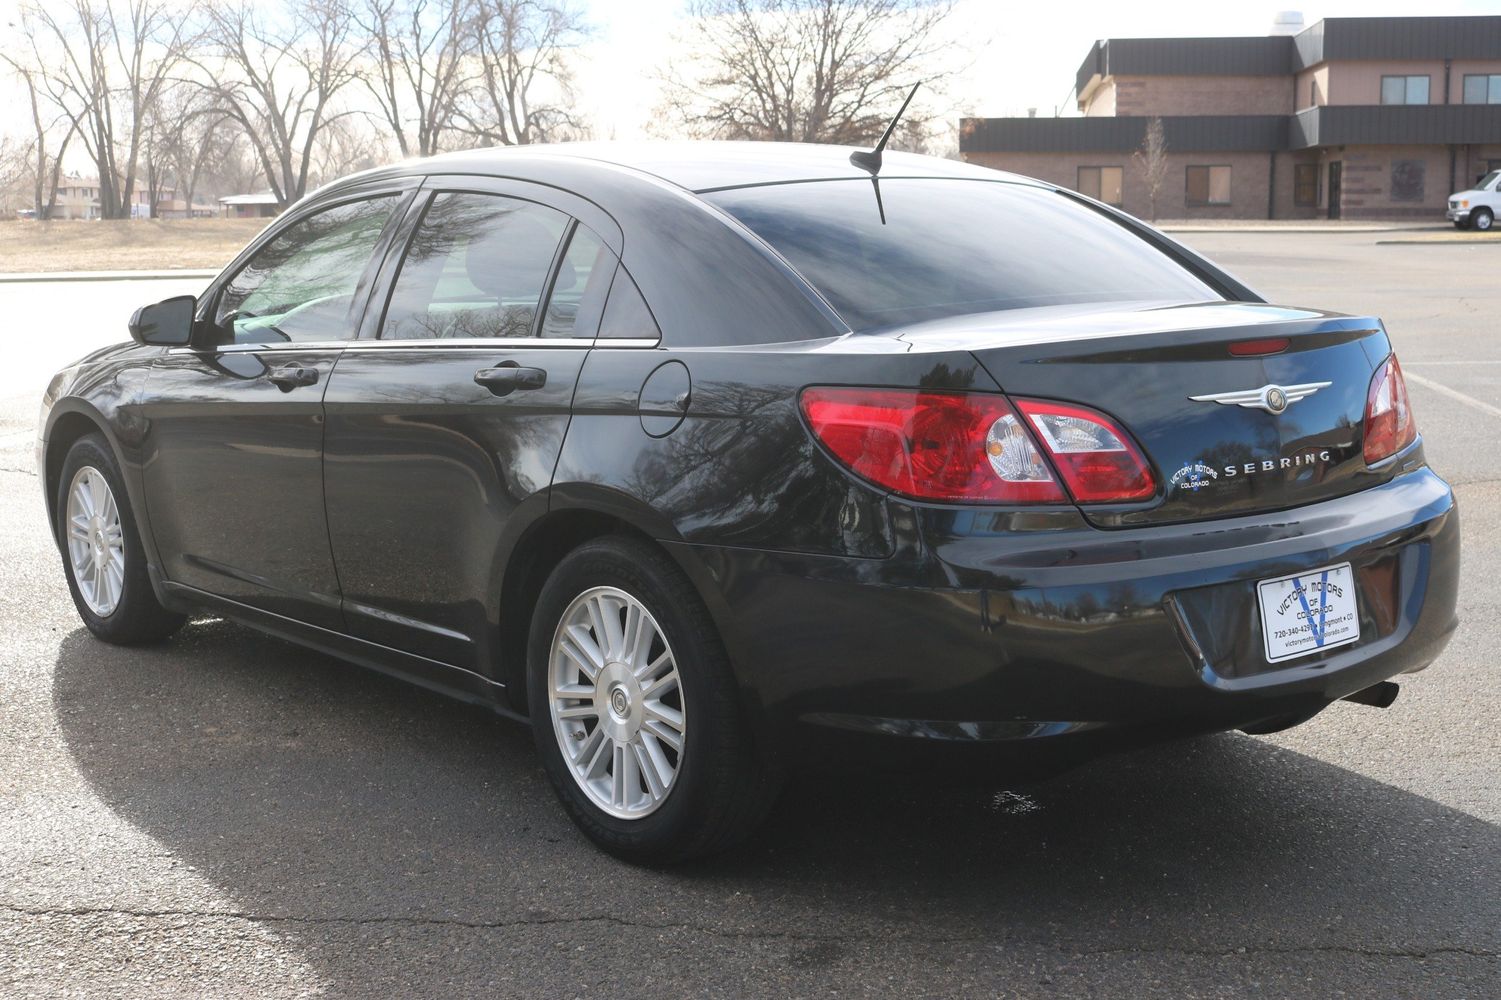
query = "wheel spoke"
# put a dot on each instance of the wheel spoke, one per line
(112, 581)
(584, 711)
(78, 527)
(656, 787)
(648, 671)
(579, 647)
(656, 767)
(591, 752)
(98, 493)
(657, 688)
(617, 774)
(607, 625)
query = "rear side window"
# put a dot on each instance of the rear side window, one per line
(475, 268)
(952, 248)
(627, 316)
(578, 291)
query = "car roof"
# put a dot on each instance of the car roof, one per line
(701, 166)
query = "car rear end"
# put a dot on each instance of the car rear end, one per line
(1152, 511)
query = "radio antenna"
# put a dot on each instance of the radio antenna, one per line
(870, 160)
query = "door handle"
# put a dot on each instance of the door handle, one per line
(506, 378)
(289, 377)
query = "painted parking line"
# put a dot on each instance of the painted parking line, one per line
(1454, 394)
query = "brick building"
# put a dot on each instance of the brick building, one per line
(1367, 117)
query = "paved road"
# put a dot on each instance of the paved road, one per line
(227, 815)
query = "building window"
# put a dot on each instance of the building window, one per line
(1407, 180)
(1101, 183)
(1306, 185)
(1208, 186)
(1483, 89)
(1404, 90)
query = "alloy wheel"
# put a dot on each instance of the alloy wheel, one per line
(96, 543)
(616, 702)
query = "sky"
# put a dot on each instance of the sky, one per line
(1010, 55)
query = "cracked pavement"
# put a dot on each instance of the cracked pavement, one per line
(227, 815)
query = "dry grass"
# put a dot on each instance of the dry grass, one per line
(145, 245)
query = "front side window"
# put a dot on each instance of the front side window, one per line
(1482, 88)
(949, 247)
(1404, 90)
(300, 287)
(1208, 186)
(1305, 184)
(475, 268)
(1101, 184)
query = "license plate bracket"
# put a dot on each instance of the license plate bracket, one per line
(1308, 612)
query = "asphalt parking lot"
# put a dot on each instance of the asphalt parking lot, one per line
(227, 815)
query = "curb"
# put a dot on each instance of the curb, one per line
(1363, 230)
(184, 274)
(1452, 241)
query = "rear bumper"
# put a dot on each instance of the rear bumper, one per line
(1080, 635)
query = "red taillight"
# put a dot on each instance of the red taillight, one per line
(1095, 457)
(974, 447)
(1389, 426)
(959, 446)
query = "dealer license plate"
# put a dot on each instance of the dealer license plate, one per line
(1308, 613)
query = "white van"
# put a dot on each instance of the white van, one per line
(1478, 207)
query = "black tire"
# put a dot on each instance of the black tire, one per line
(1481, 219)
(724, 786)
(137, 617)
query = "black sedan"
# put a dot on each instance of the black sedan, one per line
(719, 460)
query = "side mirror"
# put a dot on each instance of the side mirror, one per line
(167, 323)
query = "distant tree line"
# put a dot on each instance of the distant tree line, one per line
(286, 94)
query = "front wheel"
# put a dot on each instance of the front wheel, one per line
(102, 552)
(634, 708)
(1482, 219)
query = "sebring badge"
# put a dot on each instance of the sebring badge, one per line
(1271, 398)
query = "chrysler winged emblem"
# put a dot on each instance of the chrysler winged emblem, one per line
(1271, 398)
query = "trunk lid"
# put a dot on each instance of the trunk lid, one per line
(1142, 364)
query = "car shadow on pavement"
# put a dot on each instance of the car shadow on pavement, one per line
(357, 816)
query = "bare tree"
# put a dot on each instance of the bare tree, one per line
(806, 70)
(1151, 161)
(522, 89)
(276, 75)
(46, 121)
(105, 64)
(418, 67)
(16, 169)
(345, 146)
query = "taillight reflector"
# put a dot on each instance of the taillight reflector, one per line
(1095, 457)
(1389, 425)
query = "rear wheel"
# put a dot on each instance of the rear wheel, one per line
(1481, 219)
(102, 553)
(634, 709)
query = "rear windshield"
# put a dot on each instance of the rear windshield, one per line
(953, 247)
